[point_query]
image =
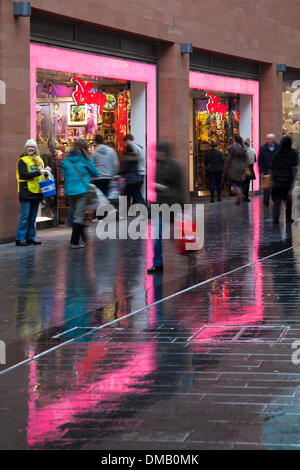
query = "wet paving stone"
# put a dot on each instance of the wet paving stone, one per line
(210, 368)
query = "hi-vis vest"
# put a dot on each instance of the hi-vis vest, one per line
(32, 184)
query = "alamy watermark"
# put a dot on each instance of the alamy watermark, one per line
(188, 222)
(2, 352)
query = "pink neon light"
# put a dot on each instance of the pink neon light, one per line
(50, 58)
(203, 81)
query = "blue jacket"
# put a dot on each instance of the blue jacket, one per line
(87, 169)
(265, 158)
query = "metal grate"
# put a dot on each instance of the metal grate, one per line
(239, 334)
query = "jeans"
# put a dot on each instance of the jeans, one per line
(26, 225)
(158, 256)
(78, 205)
(215, 179)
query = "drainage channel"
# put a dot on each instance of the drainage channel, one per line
(94, 329)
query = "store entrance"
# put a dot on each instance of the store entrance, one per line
(215, 118)
(60, 120)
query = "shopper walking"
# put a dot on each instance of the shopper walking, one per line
(169, 191)
(284, 169)
(236, 165)
(77, 169)
(250, 175)
(265, 157)
(30, 171)
(140, 152)
(107, 163)
(133, 179)
(214, 163)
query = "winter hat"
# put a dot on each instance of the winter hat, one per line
(286, 143)
(32, 143)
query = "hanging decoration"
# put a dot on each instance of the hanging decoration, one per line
(122, 120)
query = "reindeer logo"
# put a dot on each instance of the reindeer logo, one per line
(213, 105)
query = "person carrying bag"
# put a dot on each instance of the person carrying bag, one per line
(78, 169)
(30, 172)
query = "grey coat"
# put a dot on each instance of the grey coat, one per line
(106, 161)
(236, 163)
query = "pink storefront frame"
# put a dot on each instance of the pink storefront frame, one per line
(204, 81)
(62, 60)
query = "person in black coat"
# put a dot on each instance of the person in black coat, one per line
(134, 180)
(214, 163)
(284, 168)
(265, 156)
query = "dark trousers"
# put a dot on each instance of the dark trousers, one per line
(134, 191)
(246, 186)
(103, 185)
(267, 194)
(280, 195)
(215, 179)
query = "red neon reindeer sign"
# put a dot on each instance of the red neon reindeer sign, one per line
(83, 94)
(213, 105)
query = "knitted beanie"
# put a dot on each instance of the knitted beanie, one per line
(32, 143)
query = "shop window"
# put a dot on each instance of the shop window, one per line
(60, 121)
(291, 112)
(216, 123)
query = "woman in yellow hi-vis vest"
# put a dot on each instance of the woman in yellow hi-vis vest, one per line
(30, 171)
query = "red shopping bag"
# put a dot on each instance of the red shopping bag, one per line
(188, 230)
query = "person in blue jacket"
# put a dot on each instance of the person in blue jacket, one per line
(265, 157)
(78, 169)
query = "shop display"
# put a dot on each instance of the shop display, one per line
(216, 118)
(291, 116)
(68, 108)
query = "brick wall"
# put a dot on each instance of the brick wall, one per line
(15, 114)
(263, 30)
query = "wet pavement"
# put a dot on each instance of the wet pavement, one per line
(104, 357)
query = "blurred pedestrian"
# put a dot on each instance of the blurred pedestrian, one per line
(133, 179)
(107, 164)
(30, 171)
(78, 169)
(265, 156)
(236, 165)
(284, 169)
(250, 175)
(169, 191)
(214, 163)
(139, 150)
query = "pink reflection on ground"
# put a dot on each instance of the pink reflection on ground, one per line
(223, 312)
(203, 81)
(44, 422)
(51, 58)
